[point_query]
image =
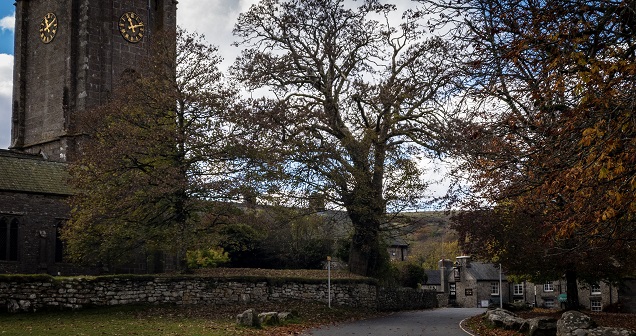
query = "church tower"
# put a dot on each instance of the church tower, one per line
(68, 55)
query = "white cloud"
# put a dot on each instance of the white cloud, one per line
(215, 20)
(8, 22)
(6, 88)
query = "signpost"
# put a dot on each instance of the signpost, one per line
(329, 280)
(500, 290)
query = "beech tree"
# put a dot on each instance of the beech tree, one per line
(352, 103)
(151, 156)
(549, 123)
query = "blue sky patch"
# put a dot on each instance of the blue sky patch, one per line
(7, 13)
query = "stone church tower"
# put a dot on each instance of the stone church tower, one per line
(68, 55)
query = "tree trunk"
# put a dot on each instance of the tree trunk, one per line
(366, 209)
(365, 252)
(366, 255)
(572, 302)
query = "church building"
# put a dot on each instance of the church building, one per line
(68, 56)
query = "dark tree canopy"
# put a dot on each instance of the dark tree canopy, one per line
(352, 104)
(151, 156)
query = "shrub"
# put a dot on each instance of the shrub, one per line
(404, 275)
(207, 258)
(243, 244)
(413, 275)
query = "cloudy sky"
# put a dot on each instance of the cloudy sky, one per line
(215, 19)
(6, 69)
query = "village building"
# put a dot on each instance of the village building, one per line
(467, 283)
(398, 249)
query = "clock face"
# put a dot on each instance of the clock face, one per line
(131, 27)
(48, 28)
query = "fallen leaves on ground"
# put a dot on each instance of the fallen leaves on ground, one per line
(311, 315)
(479, 326)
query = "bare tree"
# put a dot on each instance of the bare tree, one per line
(353, 103)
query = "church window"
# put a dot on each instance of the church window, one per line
(59, 244)
(9, 238)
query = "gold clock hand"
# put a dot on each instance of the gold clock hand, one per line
(135, 26)
(49, 24)
(131, 26)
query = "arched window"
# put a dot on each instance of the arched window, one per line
(9, 238)
(59, 244)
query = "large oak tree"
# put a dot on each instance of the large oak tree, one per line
(352, 102)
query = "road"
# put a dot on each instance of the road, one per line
(435, 322)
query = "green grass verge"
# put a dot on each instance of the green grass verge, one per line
(175, 320)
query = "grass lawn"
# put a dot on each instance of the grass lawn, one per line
(169, 320)
(111, 321)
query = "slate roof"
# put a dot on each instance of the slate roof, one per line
(433, 277)
(398, 242)
(31, 173)
(484, 272)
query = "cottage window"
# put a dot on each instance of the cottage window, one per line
(596, 289)
(595, 305)
(494, 288)
(9, 238)
(517, 289)
(548, 287)
(548, 303)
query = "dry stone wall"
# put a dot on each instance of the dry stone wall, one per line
(47, 292)
(405, 298)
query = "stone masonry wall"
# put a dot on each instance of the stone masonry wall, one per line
(406, 298)
(75, 293)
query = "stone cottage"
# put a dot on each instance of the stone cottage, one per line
(476, 284)
(469, 283)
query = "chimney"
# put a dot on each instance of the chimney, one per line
(463, 261)
(444, 266)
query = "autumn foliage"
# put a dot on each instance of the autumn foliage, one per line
(548, 137)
